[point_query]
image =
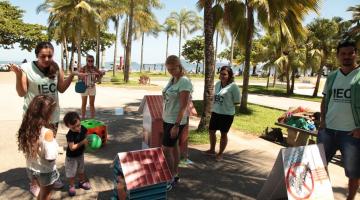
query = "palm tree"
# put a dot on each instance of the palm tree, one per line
(146, 23)
(355, 29)
(123, 35)
(135, 8)
(286, 16)
(170, 28)
(187, 22)
(323, 33)
(209, 28)
(57, 31)
(220, 31)
(129, 41)
(116, 20)
(80, 15)
(269, 52)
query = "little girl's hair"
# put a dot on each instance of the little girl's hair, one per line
(38, 115)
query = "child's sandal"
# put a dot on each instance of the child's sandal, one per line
(85, 185)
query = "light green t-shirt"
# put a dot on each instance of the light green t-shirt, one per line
(38, 84)
(225, 98)
(171, 94)
(339, 115)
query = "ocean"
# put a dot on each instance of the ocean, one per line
(135, 67)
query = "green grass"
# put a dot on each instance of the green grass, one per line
(279, 92)
(198, 137)
(256, 119)
(153, 75)
(161, 75)
(253, 122)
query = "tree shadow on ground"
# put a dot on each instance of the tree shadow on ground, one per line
(124, 132)
(238, 176)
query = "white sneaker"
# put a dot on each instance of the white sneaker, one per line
(58, 184)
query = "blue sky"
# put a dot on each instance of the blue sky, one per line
(154, 48)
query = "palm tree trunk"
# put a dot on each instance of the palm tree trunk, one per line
(126, 33)
(62, 55)
(287, 74)
(292, 81)
(254, 70)
(180, 40)
(116, 43)
(216, 46)
(268, 78)
(196, 69)
(102, 59)
(98, 47)
(249, 38)
(167, 46)
(275, 74)
(79, 48)
(72, 59)
(318, 78)
(142, 51)
(66, 55)
(319, 73)
(209, 66)
(232, 49)
(129, 40)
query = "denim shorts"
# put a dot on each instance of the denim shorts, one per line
(349, 147)
(44, 179)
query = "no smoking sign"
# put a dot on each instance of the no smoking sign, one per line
(299, 181)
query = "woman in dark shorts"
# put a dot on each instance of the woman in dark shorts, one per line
(226, 96)
(176, 96)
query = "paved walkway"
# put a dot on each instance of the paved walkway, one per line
(248, 160)
(282, 103)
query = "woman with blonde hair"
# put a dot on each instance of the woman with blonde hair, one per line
(176, 96)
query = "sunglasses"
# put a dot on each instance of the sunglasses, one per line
(90, 61)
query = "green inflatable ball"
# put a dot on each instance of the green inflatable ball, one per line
(94, 142)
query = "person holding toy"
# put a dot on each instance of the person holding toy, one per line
(74, 161)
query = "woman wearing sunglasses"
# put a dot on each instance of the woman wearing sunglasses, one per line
(42, 77)
(92, 75)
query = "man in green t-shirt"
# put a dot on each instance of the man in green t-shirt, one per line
(340, 124)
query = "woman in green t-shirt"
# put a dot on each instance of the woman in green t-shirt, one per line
(175, 116)
(226, 96)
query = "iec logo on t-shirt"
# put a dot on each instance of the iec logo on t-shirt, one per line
(47, 88)
(342, 95)
(218, 99)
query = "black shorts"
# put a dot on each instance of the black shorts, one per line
(220, 122)
(167, 140)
